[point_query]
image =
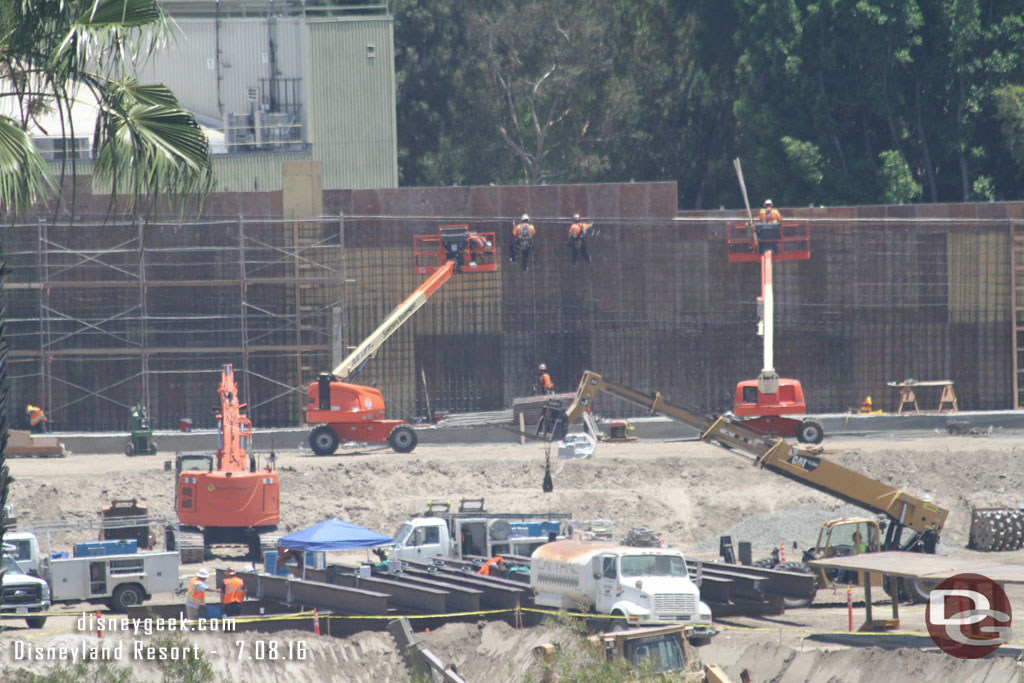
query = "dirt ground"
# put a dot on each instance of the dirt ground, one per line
(688, 491)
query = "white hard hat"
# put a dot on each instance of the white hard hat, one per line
(203, 573)
(542, 367)
(767, 202)
(575, 216)
(526, 217)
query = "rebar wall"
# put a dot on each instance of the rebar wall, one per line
(104, 315)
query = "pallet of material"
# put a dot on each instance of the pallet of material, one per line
(22, 444)
(531, 406)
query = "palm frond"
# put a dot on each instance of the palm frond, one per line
(24, 176)
(147, 145)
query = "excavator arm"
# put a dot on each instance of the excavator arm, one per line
(904, 510)
(398, 317)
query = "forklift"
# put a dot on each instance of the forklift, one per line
(141, 442)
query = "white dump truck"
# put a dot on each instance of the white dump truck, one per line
(472, 531)
(633, 585)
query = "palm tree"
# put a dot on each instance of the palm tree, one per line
(145, 145)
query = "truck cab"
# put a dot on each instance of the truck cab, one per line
(24, 549)
(633, 585)
(23, 595)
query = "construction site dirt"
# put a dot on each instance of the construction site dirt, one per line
(688, 492)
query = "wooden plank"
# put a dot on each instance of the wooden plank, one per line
(923, 566)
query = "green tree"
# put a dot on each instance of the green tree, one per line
(1009, 102)
(145, 145)
(898, 184)
(546, 93)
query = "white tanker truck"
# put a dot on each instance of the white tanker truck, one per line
(632, 585)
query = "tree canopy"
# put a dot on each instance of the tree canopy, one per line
(826, 101)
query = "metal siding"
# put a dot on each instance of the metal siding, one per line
(352, 102)
(252, 172)
(244, 45)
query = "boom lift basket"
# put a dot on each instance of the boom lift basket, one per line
(472, 251)
(788, 241)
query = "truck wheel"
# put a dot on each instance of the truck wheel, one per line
(35, 622)
(129, 449)
(323, 440)
(917, 590)
(125, 596)
(403, 439)
(800, 567)
(810, 431)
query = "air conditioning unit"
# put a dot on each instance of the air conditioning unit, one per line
(238, 132)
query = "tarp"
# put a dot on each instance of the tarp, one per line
(334, 534)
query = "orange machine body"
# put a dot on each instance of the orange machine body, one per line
(234, 494)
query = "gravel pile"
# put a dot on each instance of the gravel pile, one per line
(768, 529)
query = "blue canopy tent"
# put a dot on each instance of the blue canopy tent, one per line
(333, 534)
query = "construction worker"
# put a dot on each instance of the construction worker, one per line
(496, 564)
(769, 214)
(36, 418)
(544, 384)
(865, 406)
(232, 593)
(479, 253)
(522, 240)
(195, 597)
(578, 238)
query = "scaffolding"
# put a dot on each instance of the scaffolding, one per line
(103, 314)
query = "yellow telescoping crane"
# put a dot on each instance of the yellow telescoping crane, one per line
(923, 519)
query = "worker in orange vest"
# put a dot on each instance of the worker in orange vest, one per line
(523, 233)
(195, 598)
(232, 593)
(544, 384)
(578, 238)
(769, 214)
(36, 418)
(494, 564)
(479, 253)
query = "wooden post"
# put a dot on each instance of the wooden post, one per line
(522, 430)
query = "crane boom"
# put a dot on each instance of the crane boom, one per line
(394, 320)
(902, 508)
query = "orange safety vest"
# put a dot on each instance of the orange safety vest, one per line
(35, 415)
(234, 590)
(545, 382)
(578, 230)
(524, 230)
(486, 569)
(196, 596)
(770, 216)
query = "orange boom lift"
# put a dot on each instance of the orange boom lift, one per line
(230, 501)
(765, 403)
(342, 411)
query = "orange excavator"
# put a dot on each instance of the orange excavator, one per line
(342, 411)
(226, 497)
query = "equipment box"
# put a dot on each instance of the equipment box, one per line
(532, 529)
(125, 546)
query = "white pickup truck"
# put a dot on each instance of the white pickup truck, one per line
(118, 580)
(441, 533)
(24, 596)
(633, 585)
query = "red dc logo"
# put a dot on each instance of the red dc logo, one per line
(968, 616)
